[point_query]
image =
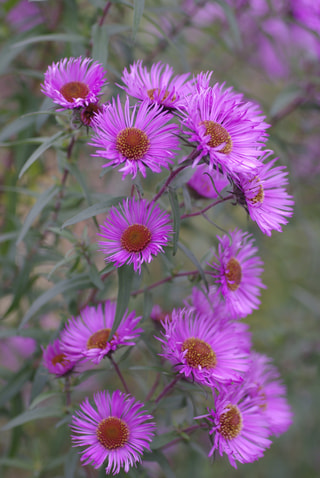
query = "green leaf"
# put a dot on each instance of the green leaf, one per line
(147, 305)
(70, 466)
(173, 198)
(284, 99)
(93, 210)
(100, 40)
(77, 282)
(16, 463)
(55, 37)
(39, 381)
(161, 440)
(138, 8)
(8, 236)
(15, 385)
(15, 127)
(159, 457)
(195, 261)
(41, 203)
(39, 151)
(125, 279)
(34, 414)
(95, 277)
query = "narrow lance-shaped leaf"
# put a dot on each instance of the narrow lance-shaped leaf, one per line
(173, 198)
(34, 414)
(39, 151)
(80, 281)
(100, 40)
(92, 211)
(138, 7)
(41, 203)
(195, 261)
(125, 279)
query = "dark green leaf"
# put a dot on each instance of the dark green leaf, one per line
(15, 127)
(125, 279)
(34, 414)
(138, 7)
(100, 40)
(93, 210)
(14, 386)
(173, 198)
(41, 203)
(55, 37)
(39, 151)
(195, 261)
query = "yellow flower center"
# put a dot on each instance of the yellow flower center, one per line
(74, 90)
(151, 92)
(230, 423)
(112, 433)
(218, 135)
(99, 339)
(135, 238)
(199, 353)
(233, 274)
(132, 143)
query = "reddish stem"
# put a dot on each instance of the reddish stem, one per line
(198, 213)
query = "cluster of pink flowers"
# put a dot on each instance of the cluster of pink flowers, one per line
(205, 341)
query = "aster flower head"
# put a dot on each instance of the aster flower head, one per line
(207, 182)
(135, 138)
(265, 196)
(202, 350)
(237, 271)
(74, 82)
(115, 428)
(86, 337)
(238, 426)
(263, 382)
(134, 233)
(228, 131)
(56, 361)
(156, 86)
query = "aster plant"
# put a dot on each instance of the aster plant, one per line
(181, 156)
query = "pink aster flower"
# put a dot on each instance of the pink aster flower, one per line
(237, 271)
(263, 382)
(265, 196)
(74, 82)
(136, 138)
(134, 233)
(55, 360)
(156, 86)
(202, 350)
(228, 131)
(238, 426)
(86, 337)
(115, 428)
(207, 183)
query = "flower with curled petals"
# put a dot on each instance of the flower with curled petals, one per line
(202, 350)
(86, 337)
(265, 197)
(238, 426)
(237, 272)
(134, 233)
(115, 429)
(135, 138)
(74, 82)
(56, 361)
(156, 86)
(228, 131)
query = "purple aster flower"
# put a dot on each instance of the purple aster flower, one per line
(265, 197)
(238, 426)
(87, 337)
(56, 361)
(157, 86)
(207, 182)
(202, 350)
(263, 381)
(15, 350)
(24, 16)
(136, 138)
(134, 233)
(229, 132)
(115, 428)
(237, 272)
(74, 82)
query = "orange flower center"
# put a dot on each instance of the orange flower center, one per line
(230, 423)
(199, 353)
(74, 90)
(132, 143)
(234, 274)
(151, 92)
(99, 339)
(218, 135)
(59, 358)
(135, 238)
(112, 433)
(259, 197)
